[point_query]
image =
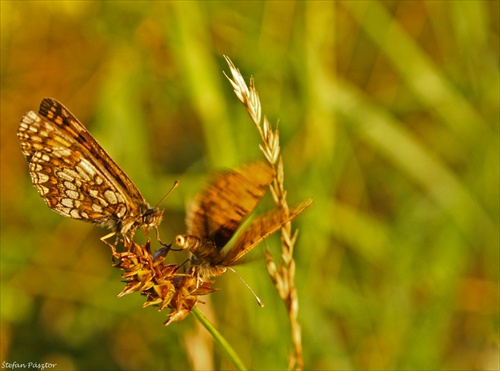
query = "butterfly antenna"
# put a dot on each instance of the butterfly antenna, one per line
(176, 183)
(248, 287)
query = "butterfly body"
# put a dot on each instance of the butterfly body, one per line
(206, 257)
(76, 177)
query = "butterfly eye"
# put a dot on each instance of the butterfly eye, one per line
(180, 240)
(152, 217)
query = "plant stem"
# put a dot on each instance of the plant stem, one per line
(226, 347)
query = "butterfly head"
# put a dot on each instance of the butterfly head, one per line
(188, 242)
(151, 218)
(204, 251)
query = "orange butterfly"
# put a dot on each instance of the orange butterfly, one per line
(219, 211)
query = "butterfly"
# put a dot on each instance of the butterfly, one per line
(218, 212)
(76, 177)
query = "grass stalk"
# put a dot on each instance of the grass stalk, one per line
(226, 347)
(284, 276)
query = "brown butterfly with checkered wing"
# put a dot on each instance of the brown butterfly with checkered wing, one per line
(77, 178)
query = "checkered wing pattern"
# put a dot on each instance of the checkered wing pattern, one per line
(76, 177)
(231, 196)
(220, 210)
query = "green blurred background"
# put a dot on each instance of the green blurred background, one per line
(389, 119)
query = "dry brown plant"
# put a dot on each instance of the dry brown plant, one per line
(283, 275)
(161, 283)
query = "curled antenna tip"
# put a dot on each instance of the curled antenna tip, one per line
(174, 186)
(261, 303)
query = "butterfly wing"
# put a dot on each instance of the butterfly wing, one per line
(73, 173)
(220, 209)
(261, 228)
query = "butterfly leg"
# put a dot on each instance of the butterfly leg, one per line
(165, 245)
(113, 247)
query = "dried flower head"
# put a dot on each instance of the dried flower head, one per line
(163, 284)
